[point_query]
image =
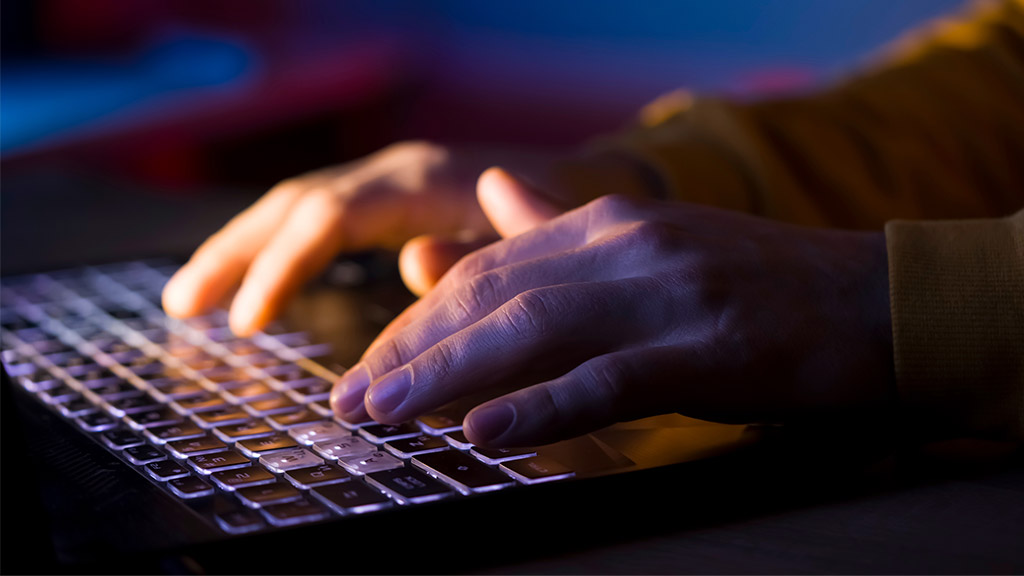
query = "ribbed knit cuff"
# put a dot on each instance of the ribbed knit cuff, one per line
(957, 293)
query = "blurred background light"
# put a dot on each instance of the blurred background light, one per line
(250, 91)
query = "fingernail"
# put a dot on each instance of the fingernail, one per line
(350, 389)
(391, 390)
(489, 422)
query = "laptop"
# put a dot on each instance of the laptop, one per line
(138, 443)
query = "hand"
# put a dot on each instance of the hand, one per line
(627, 308)
(414, 193)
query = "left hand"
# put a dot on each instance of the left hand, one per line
(627, 308)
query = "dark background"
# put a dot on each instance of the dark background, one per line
(243, 93)
(170, 116)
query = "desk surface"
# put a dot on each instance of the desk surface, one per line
(954, 508)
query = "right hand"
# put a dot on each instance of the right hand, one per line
(408, 191)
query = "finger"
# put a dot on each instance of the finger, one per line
(321, 224)
(609, 388)
(511, 205)
(566, 232)
(220, 262)
(544, 330)
(424, 259)
(304, 243)
(471, 303)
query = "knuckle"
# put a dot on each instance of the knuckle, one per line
(442, 361)
(615, 205)
(470, 266)
(287, 186)
(529, 314)
(478, 296)
(421, 150)
(319, 205)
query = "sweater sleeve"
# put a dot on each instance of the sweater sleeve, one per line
(957, 296)
(928, 143)
(935, 129)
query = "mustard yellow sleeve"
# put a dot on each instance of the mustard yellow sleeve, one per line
(934, 130)
(957, 293)
(929, 143)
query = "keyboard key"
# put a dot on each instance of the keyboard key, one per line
(205, 444)
(289, 459)
(221, 417)
(297, 512)
(380, 433)
(308, 434)
(242, 477)
(177, 389)
(267, 494)
(239, 347)
(143, 454)
(344, 448)
(291, 375)
(39, 380)
(120, 439)
(77, 407)
(256, 447)
(465, 473)
(160, 417)
(499, 455)
(278, 404)
(369, 463)
(133, 404)
(244, 431)
(409, 447)
(537, 469)
(190, 487)
(166, 470)
(305, 478)
(440, 422)
(408, 486)
(210, 463)
(314, 391)
(351, 497)
(96, 422)
(457, 439)
(263, 360)
(204, 402)
(115, 390)
(287, 420)
(239, 521)
(250, 392)
(171, 432)
(60, 394)
(94, 376)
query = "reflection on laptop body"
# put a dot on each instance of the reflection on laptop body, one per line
(238, 434)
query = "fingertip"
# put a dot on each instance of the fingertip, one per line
(425, 259)
(246, 315)
(511, 203)
(179, 298)
(418, 273)
(486, 425)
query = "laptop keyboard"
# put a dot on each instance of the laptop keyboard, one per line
(238, 429)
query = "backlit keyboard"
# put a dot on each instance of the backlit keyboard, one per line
(243, 421)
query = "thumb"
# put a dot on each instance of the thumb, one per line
(511, 205)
